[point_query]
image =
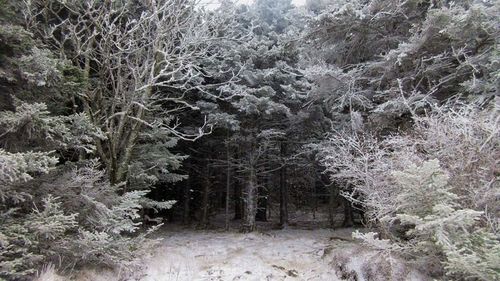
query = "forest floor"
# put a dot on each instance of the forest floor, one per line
(306, 250)
(291, 254)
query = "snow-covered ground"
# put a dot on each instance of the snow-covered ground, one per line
(274, 255)
(292, 254)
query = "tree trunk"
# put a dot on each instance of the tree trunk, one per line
(262, 205)
(283, 190)
(332, 205)
(238, 206)
(315, 194)
(205, 197)
(250, 201)
(348, 214)
(186, 218)
(228, 186)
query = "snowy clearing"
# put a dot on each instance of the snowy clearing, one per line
(274, 255)
(294, 254)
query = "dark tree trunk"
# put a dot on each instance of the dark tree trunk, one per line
(237, 192)
(262, 209)
(238, 206)
(205, 202)
(251, 194)
(186, 212)
(262, 205)
(228, 186)
(187, 200)
(283, 190)
(348, 213)
(314, 196)
(333, 204)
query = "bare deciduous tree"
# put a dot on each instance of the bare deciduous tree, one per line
(138, 60)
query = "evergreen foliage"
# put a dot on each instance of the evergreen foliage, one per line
(110, 108)
(427, 204)
(410, 89)
(55, 206)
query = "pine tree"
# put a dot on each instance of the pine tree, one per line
(53, 203)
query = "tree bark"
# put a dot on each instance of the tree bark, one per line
(186, 218)
(238, 195)
(238, 206)
(205, 197)
(332, 205)
(250, 201)
(228, 186)
(348, 213)
(283, 190)
(314, 198)
(262, 205)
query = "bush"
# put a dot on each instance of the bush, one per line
(88, 224)
(433, 191)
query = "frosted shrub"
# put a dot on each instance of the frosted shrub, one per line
(96, 227)
(433, 192)
(107, 221)
(31, 125)
(68, 214)
(435, 224)
(426, 186)
(438, 219)
(40, 68)
(16, 167)
(26, 242)
(474, 255)
(51, 222)
(56, 207)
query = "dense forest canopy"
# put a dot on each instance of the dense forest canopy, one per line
(116, 116)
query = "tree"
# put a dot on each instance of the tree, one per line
(54, 202)
(270, 90)
(367, 64)
(36, 224)
(139, 61)
(389, 87)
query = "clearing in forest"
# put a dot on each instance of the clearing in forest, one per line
(292, 254)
